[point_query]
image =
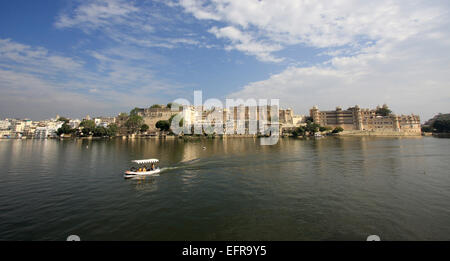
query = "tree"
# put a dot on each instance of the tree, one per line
(309, 119)
(155, 106)
(144, 128)
(337, 130)
(100, 131)
(163, 125)
(112, 130)
(65, 129)
(122, 116)
(134, 123)
(427, 129)
(87, 126)
(312, 127)
(180, 124)
(326, 128)
(134, 111)
(383, 111)
(300, 131)
(64, 119)
(172, 104)
(442, 125)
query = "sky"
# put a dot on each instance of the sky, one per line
(103, 57)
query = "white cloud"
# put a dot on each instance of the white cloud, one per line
(96, 13)
(410, 76)
(315, 23)
(126, 22)
(245, 43)
(199, 9)
(34, 59)
(36, 83)
(389, 51)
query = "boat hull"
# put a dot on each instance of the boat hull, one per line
(133, 174)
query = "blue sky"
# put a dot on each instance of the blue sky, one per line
(104, 57)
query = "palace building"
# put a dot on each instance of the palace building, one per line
(357, 119)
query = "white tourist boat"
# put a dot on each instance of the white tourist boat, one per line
(135, 172)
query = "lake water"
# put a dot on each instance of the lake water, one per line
(235, 189)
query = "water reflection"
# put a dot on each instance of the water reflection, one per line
(148, 184)
(230, 189)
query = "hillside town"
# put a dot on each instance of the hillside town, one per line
(155, 121)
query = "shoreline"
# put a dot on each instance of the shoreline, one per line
(202, 137)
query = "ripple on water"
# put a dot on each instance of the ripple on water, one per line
(233, 190)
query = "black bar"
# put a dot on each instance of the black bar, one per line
(230, 250)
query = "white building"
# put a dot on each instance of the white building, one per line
(74, 123)
(5, 134)
(48, 131)
(18, 127)
(5, 125)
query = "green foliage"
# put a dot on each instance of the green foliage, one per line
(65, 129)
(134, 111)
(155, 106)
(427, 129)
(312, 127)
(122, 116)
(172, 104)
(442, 125)
(144, 128)
(326, 128)
(300, 131)
(87, 126)
(134, 123)
(443, 116)
(180, 124)
(163, 125)
(309, 119)
(112, 130)
(64, 119)
(100, 131)
(383, 111)
(86, 131)
(337, 130)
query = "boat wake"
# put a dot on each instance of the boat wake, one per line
(165, 169)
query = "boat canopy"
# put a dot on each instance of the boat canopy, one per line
(146, 161)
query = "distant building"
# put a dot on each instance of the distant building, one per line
(152, 115)
(4, 134)
(74, 123)
(47, 129)
(18, 126)
(104, 121)
(5, 125)
(249, 120)
(355, 118)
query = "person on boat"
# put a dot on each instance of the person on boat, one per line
(152, 167)
(140, 170)
(144, 169)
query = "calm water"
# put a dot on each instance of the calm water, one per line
(327, 189)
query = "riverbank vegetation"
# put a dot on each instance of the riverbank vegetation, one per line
(311, 128)
(88, 128)
(439, 124)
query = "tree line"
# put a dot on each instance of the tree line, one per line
(440, 125)
(87, 128)
(311, 128)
